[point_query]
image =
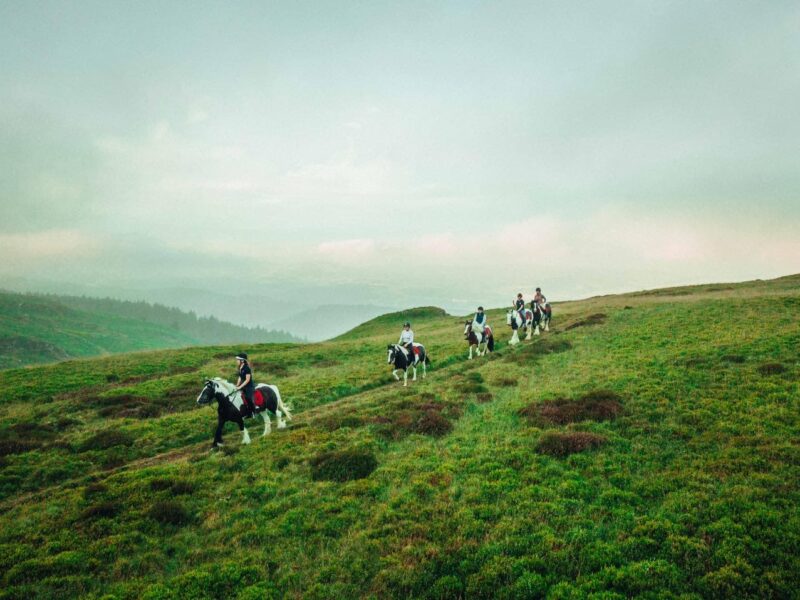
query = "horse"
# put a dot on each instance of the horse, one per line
(541, 316)
(231, 406)
(475, 339)
(399, 357)
(515, 320)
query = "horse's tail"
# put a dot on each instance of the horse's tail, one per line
(427, 359)
(281, 406)
(490, 343)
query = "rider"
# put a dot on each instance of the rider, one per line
(539, 298)
(407, 340)
(519, 304)
(245, 382)
(479, 322)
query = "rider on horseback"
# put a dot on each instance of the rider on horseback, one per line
(479, 322)
(539, 298)
(519, 304)
(407, 340)
(245, 382)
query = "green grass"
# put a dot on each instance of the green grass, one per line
(651, 453)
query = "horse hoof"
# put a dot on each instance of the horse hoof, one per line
(281, 425)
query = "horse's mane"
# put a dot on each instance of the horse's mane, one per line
(224, 383)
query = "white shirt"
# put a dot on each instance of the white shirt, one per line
(406, 337)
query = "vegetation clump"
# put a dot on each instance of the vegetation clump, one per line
(771, 368)
(343, 465)
(598, 405)
(108, 438)
(733, 358)
(17, 446)
(176, 486)
(103, 510)
(595, 319)
(169, 512)
(561, 444)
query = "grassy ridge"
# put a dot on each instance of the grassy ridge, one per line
(504, 477)
(37, 329)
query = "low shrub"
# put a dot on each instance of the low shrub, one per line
(598, 405)
(8, 447)
(594, 319)
(484, 397)
(431, 422)
(102, 510)
(333, 423)
(108, 438)
(504, 382)
(343, 465)
(771, 368)
(177, 486)
(560, 444)
(169, 512)
(734, 358)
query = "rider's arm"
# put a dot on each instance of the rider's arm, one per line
(243, 383)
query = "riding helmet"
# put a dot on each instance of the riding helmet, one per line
(242, 356)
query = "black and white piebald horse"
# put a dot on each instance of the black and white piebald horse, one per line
(398, 356)
(476, 338)
(541, 317)
(231, 406)
(517, 322)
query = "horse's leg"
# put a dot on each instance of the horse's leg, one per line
(414, 367)
(405, 377)
(528, 330)
(218, 432)
(547, 324)
(243, 429)
(514, 338)
(424, 369)
(470, 352)
(279, 417)
(267, 426)
(395, 375)
(536, 331)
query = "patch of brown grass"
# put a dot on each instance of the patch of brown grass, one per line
(595, 319)
(598, 405)
(559, 444)
(771, 368)
(343, 465)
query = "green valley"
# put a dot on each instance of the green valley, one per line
(38, 329)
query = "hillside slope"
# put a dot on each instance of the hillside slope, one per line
(645, 447)
(37, 329)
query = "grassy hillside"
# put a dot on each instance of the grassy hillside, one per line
(646, 447)
(39, 329)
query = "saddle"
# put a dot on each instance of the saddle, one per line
(258, 399)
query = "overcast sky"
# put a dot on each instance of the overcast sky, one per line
(447, 153)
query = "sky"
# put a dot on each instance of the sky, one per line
(397, 153)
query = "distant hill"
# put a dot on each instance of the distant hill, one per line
(37, 329)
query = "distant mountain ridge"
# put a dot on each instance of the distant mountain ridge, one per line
(40, 328)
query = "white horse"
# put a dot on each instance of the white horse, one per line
(231, 406)
(515, 320)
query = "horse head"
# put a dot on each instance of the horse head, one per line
(392, 350)
(208, 393)
(467, 329)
